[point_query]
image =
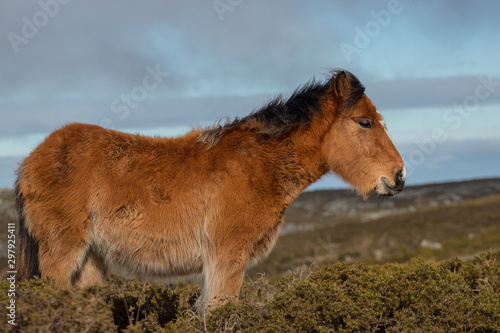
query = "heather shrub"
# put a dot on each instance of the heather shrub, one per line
(40, 307)
(419, 296)
(119, 305)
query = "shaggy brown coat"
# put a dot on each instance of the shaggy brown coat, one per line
(93, 200)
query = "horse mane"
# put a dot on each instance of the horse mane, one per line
(279, 117)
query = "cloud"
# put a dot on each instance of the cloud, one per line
(96, 50)
(90, 53)
(196, 112)
(154, 111)
(431, 92)
(92, 47)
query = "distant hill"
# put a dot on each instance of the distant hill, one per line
(436, 221)
(331, 207)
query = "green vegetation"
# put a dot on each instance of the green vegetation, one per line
(419, 296)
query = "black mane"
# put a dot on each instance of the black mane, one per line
(280, 117)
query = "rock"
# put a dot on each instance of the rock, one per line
(428, 244)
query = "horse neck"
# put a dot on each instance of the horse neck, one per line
(302, 159)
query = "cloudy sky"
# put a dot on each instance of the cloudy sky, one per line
(159, 67)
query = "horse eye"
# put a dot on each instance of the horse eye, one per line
(365, 123)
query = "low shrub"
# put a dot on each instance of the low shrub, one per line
(419, 296)
(119, 305)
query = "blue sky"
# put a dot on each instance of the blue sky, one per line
(431, 67)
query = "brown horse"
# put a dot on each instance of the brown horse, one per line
(93, 200)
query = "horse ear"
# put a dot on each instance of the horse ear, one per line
(346, 90)
(342, 86)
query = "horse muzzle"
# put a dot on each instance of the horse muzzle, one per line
(387, 188)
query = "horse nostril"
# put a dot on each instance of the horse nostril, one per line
(400, 178)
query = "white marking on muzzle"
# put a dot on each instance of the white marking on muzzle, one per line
(403, 174)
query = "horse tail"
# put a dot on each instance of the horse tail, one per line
(27, 265)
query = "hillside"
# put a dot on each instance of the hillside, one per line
(434, 221)
(341, 264)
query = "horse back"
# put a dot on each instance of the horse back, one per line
(147, 203)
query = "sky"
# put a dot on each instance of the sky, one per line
(163, 67)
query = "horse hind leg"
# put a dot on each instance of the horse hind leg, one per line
(92, 272)
(63, 246)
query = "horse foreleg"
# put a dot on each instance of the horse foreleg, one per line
(222, 279)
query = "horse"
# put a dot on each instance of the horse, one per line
(93, 200)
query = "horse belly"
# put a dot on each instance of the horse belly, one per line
(135, 248)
